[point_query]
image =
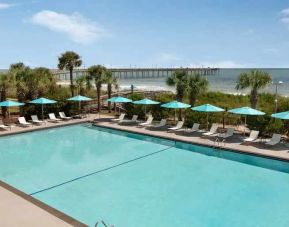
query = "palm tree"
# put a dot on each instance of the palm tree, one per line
(256, 80)
(7, 88)
(197, 85)
(179, 79)
(68, 61)
(20, 72)
(97, 72)
(111, 82)
(80, 82)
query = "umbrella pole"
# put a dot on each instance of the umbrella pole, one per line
(207, 121)
(145, 117)
(175, 115)
(245, 125)
(42, 112)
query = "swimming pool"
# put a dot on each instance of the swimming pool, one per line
(126, 179)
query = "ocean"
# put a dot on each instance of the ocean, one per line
(224, 81)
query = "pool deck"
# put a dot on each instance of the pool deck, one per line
(279, 151)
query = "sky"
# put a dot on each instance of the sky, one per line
(146, 33)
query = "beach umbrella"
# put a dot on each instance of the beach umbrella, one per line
(10, 103)
(281, 115)
(246, 111)
(79, 99)
(208, 108)
(119, 99)
(145, 102)
(42, 102)
(175, 105)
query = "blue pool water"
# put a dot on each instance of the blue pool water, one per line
(131, 180)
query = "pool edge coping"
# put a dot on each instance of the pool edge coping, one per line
(195, 143)
(51, 210)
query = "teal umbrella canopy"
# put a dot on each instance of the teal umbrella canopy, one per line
(208, 108)
(10, 103)
(118, 99)
(281, 115)
(175, 105)
(246, 111)
(42, 101)
(79, 98)
(146, 102)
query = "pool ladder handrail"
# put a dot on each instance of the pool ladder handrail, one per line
(220, 143)
(103, 223)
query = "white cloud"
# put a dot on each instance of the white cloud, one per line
(78, 28)
(219, 64)
(285, 16)
(5, 5)
(285, 12)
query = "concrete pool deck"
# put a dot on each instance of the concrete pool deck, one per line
(279, 151)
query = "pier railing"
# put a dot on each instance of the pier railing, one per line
(137, 73)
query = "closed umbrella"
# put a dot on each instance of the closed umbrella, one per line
(145, 102)
(79, 99)
(42, 102)
(10, 103)
(208, 108)
(246, 111)
(119, 99)
(175, 105)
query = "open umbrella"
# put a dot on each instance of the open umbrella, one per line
(79, 99)
(208, 108)
(281, 115)
(175, 105)
(42, 102)
(246, 111)
(145, 102)
(119, 99)
(10, 103)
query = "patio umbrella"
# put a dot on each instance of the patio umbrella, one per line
(10, 103)
(175, 105)
(246, 111)
(119, 99)
(79, 99)
(281, 115)
(145, 102)
(42, 102)
(208, 108)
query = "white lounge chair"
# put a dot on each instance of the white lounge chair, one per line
(229, 133)
(52, 118)
(159, 125)
(22, 122)
(253, 136)
(121, 117)
(148, 122)
(133, 120)
(212, 131)
(195, 128)
(5, 127)
(179, 126)
(35, 120)
(276, 138)
(63, 116)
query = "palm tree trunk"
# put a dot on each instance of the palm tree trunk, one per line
(3, 98)
(71, 81)
(109, 96)
(98, 97)
(254, 98)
